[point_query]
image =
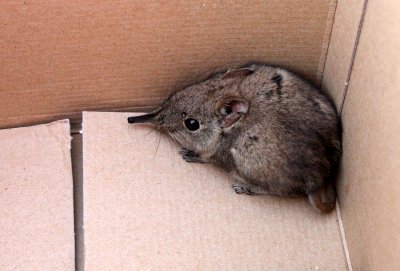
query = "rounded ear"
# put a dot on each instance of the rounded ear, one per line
(237, 73)
(232, 110)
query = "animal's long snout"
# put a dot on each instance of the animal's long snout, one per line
(141, 119)
(146, 118)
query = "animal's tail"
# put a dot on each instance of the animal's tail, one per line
(324, 198)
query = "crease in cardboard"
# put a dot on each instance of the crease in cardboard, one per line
(343, 235)
(82, 263)
(369, 191)
(353, 56)
(340, 109)
(326, 41)
(77, 171)
(341, 44)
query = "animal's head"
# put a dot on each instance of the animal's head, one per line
(196, 116)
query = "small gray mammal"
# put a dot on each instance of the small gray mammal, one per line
(273, 132)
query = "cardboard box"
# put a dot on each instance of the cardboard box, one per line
(143, 208)
(36, 226)
(146, 208)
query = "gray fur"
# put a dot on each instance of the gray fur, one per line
(285, 141)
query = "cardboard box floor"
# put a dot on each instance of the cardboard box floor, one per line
(36, 214)
(144, 208)
(147, 209)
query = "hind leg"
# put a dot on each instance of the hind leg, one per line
(242, 187)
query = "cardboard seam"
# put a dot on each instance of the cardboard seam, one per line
(343, 235)
(78, 215)
(74, 117)
(326, 41)
(83, 256)
(88, 108)
(76, 128)
(69, 165)
(353, 56)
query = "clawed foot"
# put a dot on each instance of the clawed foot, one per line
(240, 189)
(191, 156)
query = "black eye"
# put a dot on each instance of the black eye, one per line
(192, 124)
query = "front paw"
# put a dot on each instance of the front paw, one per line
(241, 189)
(189, 156)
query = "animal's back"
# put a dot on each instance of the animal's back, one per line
(290, 141)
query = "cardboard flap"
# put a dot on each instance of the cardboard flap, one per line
(147, 209)
(36, 228)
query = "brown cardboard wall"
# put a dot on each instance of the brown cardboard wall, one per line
(341, 48)
(147, 209)
(36, 213)
(58, 58)
(369, 185)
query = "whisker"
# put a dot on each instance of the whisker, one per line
(180, 139)
(159, 140)
(184, 140)
(150, 132)
(170, 142)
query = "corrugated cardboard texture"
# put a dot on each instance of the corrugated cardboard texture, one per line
(60, 57)
(369, 185)
(77, 167)
(36, 228)
(147, 209)
(341, 48)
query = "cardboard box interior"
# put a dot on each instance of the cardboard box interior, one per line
(155, 211)
(61, 58)
(369, 183)
(36, 229)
